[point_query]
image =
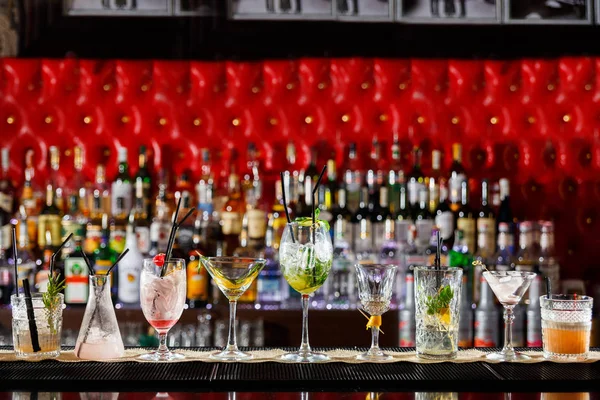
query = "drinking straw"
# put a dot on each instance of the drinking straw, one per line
(287, 213)
(123, 254)
(88, 263)
(438, 251)
(35, 341)
(314, 199)
(58, 251)
(548, 288)
(172, 233)
(15, 258)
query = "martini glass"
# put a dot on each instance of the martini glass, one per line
(233, 275)
(375, 288)
(305, 256)
(509, 287)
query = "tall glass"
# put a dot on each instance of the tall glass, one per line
(305, 256)
(162, 296)
(509, 287)
(233, 275)
(375, 288)
(566, 326)
(437, 311)
(48, 325)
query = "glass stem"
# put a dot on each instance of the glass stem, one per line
(232, 339)
(509, 317)
(305, 347)
(162, 343)
(374, 340)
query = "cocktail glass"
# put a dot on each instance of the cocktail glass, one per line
(437, 311)
(233, 275)
(48, 323)
(305, 257)
(375, 289)
(162, 296)
(509, 287)
(566, 326)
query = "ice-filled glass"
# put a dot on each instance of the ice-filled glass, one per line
(566, 326)
(162, 296)
(48, 323)
(437, 311)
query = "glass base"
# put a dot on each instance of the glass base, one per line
(231, 355)
(437, 356)
(374, 356)
(159, 357)
(507, 356)
(305, 357)
(548, 355)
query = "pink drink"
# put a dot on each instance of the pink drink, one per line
(163, 298)
(99, 351)
(162, 324)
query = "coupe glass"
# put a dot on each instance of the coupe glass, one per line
(233, 275)
(509, 287)
(375, 288)
(305, 256)
(162, 296)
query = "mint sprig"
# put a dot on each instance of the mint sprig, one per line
(440, 301)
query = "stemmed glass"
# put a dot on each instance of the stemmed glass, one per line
(509, 287)
(162, 297)
(375, 288)
(305, 256)
(233, 275)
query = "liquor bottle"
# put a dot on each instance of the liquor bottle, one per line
(465, 220)
(291, 178)
(43, 272)
(303, 202)
(435, 180)
(534, 318)
(204, 188)
(244, 250)
(30, 198)
(395, 176)
(311, 175)
(519, 337)
(7, 188)
(270, 280)
(423, 221)
(93, 230)
(326, 195)
(26, 263)
(503, 260)
(341, 292)
(465, 325)
(487, 318)
(118, 224)
(232, 214)
(460, 256)
(486, 219)
(547, 260)
(431, 251)
(277, 216)
(485, 250)
(413, 255)
(342, 216)
(76, 276)
(457, 177)
(416, 179)
(139, 219)
(144, 181)
(99, 197)
(160, 229)
(362, 230)
(55, 180)
(526, 259)
(197, 276)
(6, 274)
(163, 197)
(121, 187)
(77, 186)
(130, 269)
(104, 257)
(5, 227)
(404, 212)
(184, 189)
(353, 178)
(251, 180)
(381, 217)
(407, 326)
(505, 211)
(444, 218)
(75, 222)
(49, 219)
(185, 233)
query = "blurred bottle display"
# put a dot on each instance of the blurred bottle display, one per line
(487, 318)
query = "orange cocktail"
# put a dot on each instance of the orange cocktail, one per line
(566, 326)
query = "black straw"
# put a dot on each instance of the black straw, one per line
(35, 341)
(548, 288)
(314, 199)
(287, 213)
(438, 251)
(123, 254)
(172, 233)
(15, 258)
(88, 263)
(57, 251)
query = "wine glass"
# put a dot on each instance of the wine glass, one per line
(162, 297)
(233, 275)
(509, 287)
(375, 288)
(305, 256)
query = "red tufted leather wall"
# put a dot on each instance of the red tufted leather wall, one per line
(534, 121)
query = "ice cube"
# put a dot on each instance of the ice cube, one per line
(504, 279)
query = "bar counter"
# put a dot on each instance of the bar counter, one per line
(52, 376)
